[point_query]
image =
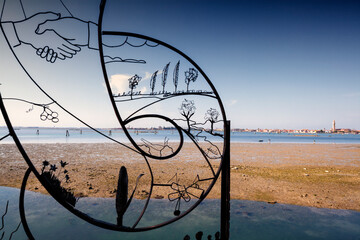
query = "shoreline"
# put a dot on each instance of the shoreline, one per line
(316, 175)
(210, 199)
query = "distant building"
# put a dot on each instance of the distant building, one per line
(333, 126)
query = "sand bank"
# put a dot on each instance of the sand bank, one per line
(319, 175)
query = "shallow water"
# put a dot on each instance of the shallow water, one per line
(249, 220)
(58, 135)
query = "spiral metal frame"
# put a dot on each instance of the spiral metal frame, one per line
(224, 167)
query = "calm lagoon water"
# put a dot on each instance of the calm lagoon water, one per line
(249, 220)
(58, 135)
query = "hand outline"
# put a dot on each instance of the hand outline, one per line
(74, 30)
(48, 44)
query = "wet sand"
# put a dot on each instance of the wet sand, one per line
(318, 175)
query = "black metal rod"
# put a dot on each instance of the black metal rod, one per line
(22, 206)
(225, 187)
(5, 136)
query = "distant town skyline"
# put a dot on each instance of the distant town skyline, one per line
(333, 129)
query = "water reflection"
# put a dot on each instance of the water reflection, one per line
(249, 220)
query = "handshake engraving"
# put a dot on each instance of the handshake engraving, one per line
(54, 37)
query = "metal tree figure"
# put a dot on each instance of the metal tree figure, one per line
(176, 75)
(190, 76)
(212, 116)
(133, 82)
(187, 110)
(164, 76)
(153, 81)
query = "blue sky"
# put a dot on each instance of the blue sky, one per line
(276, 64)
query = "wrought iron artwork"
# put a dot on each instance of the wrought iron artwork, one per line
(144, 100)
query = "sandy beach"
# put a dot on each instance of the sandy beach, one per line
(318, 175)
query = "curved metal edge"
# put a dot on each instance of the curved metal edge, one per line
(22, 205)
(101, 51)
(148, 199)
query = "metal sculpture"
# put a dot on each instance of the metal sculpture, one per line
(185, 122)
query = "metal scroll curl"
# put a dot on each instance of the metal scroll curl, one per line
(157, 147)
